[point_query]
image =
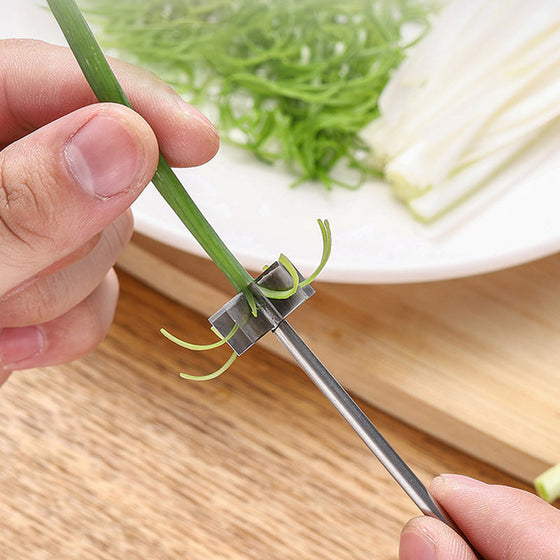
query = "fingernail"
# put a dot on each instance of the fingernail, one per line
(191, 113)
(458, 480)
(105, 155)
(416, 545)
(19, 344)
(200, 117)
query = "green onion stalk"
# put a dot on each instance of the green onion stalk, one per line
(106, 87)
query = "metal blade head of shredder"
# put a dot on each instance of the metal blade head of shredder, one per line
(250, 327)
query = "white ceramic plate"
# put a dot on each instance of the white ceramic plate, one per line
(375, 239)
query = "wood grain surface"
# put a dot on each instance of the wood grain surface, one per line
(115, 457)
(473, 361)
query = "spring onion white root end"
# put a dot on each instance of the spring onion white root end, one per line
(548, 484)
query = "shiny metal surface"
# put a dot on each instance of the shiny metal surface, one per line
(271, 316)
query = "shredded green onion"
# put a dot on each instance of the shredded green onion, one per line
(283, 294)
(213, 375)
(327, 247)
(283, 260)
(199, 347)
(293, 81)
(202, 347)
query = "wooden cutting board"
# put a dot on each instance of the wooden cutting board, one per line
(472, 361)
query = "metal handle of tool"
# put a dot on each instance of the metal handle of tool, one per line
(272, 317)
(362, 425)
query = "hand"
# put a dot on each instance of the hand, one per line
(69, 170)
(502, 523)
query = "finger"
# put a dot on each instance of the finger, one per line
(76, 255)
(501, 522)
(64, 183)
(64, 339)
(40, 82)
(54, 294)
(425, 538)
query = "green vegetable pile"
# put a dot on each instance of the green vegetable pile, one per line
(294, 81)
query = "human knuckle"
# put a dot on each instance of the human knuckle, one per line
(35, 305)
(27, 212)
(119, 233)
(96, 332)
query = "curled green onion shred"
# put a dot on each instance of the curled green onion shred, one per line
(213, 375)
(327, 246)
(106, 87)
(292, 81)
(269, 293)
(200, 347)
(283, 260)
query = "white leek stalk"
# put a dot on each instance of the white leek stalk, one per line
(480, 88)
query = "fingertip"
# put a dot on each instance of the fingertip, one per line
(457, 481)
(19, 345)
(108, 291)
(186, 137)
(447, 487)
(63, 339)
(417, 542)
(192, 140)
(425, 538)
(208, 138)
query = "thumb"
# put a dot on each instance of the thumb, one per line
(64, 183)
(502, 523)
